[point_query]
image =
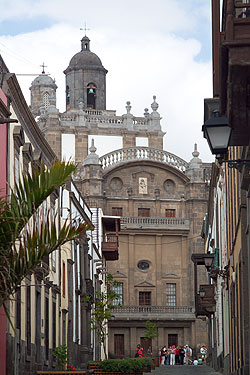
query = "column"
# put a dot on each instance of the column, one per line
(131, 266)
(158, 271)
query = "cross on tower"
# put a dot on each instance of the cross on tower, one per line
(43, 66)
(85, 28)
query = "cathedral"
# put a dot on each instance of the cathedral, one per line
(156, 199)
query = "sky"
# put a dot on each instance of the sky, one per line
(160, 47)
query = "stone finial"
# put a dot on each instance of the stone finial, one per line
(146, 113)
(92, 158)
(92, 148)
(154, 105)
(195, 153)
(128, 108)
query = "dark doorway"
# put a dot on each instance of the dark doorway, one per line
(145, 343)
(172, 340)
(119, 345)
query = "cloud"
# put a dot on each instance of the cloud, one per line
(152, 61)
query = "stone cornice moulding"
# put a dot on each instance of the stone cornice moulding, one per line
(171, 276)
(119, 274)
(145, 284)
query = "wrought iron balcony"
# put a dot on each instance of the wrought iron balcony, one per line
(171, 223)
(154, 312)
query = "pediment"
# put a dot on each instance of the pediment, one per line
(152, 175)
(145, 283)
(170, 275)
(118, 274)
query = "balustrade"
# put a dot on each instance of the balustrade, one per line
(138, 222)
(153, 309)
(142, 153)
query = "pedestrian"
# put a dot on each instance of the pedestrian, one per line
(172, 355)
(167, 358)
(163, 353)
(188, 355)
(195, 362)
(182, 355)
(203, 352)
(149, 351)
(177, 358)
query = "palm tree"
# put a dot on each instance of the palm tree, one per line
(23, 245)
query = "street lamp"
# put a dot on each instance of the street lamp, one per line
(202, 293)
(217, 133)
(208, 260)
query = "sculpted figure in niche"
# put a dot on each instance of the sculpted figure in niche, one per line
(143, 185)
(116, 184)
(169, 186)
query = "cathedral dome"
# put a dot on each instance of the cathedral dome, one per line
(85, 58)
(43, 80)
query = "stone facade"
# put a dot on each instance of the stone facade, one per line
(161, 201)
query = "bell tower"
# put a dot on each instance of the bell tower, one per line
(85, 79)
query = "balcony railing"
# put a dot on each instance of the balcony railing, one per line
(136, 222)
(153, 312)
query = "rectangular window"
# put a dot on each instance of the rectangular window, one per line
(119, 345)
(144, 298)
(28, 321)
(116, 211)
(119, 291)
(144, 212)
(54, 324)
(169, 212)
(63, 280)
(46, 329)
(38, 327)
(171, 294)
(16, 168)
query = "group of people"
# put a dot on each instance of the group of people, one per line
(175, 355)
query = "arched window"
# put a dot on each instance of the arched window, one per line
(91, 95)
(46, 100)
(67, 95)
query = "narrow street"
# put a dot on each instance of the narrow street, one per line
(184, 370)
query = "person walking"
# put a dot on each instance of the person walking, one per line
(172, 355)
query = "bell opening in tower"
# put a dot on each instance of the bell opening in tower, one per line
(91, 96)
(67, 97)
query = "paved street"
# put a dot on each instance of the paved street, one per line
(184, 370)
